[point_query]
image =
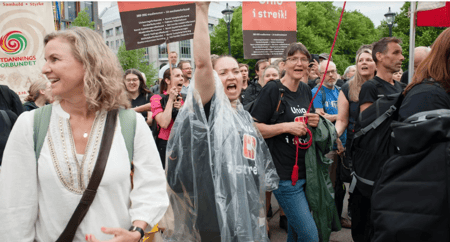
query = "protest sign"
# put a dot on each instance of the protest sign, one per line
(268, 28)
(23, 26)
(151, 23)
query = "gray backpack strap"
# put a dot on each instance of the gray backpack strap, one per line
(41, 123)
(128, 126)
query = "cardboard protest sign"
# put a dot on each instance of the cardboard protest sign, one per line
(151, 23)
(269, 27)
(23, 26)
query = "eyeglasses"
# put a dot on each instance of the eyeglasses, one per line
(295, 60)
(189, 68)
(330, 72)
(132, 80)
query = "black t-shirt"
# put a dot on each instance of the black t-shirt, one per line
(142, 99)
(372, 89)
(353, 112)
(282, 146)
(423, 97)
(405, 77)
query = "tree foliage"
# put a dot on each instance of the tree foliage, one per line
(83, 20)
(425, 36)
(136, 59)
(316, 28)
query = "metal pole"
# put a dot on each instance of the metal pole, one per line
(412, 41)
(390, 30)
(229, 43)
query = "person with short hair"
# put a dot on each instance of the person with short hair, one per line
(40, 194)
(243, 68)
(420, 53)
(349, 72)
(186, 68)
(173, 58)
(39, 94)
(387, 55)
(256, 84)
(281, 133)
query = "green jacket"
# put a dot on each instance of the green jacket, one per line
(319, 189)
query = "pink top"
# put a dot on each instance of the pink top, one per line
(155, 101)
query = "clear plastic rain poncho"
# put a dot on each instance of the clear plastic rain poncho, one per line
(218, 171)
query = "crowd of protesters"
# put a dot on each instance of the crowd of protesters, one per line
(226, 142)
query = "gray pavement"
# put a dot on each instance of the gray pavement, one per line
(279, 235)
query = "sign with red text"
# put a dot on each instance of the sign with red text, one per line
(23, 26)
(151, 23)
(268, 28)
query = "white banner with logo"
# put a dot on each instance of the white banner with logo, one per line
(23, 26)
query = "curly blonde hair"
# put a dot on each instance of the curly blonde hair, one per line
(103, 84)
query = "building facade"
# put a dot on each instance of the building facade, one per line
(64, 13)
(157, 55)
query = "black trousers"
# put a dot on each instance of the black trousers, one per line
(161, 145)
(361, 224)
(339, 190)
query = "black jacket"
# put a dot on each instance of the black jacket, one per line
(251, 93)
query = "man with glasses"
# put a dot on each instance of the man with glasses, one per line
(326, 105)
(186, 68)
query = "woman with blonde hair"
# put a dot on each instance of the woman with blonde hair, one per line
(39, 94)
(85, 154)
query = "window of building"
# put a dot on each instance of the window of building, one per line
(89, 10)
(210, 27)
(71, 10)
(117, 44)
(121, 41)
(109, 33)
(107, 43)
(162, 51)
(185, 49)
(112, 44)
(146, 53)
(119, 30)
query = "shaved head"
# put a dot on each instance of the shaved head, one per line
(420, 53)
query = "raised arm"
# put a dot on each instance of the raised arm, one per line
(204, 78)
(343, 112)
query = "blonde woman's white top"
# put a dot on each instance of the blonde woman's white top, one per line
(37, 199)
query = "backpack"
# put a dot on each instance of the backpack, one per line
(42, 116)
(7, 119)
(410, 200)
(372, 145)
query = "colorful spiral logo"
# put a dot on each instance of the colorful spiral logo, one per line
(13, 42)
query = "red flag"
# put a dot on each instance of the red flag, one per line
(434, 14)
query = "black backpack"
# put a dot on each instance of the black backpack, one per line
(372, 144)
(7, 118)
(411, 197)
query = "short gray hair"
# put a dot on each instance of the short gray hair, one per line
(347, 70)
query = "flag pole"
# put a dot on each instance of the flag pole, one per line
(412, 40)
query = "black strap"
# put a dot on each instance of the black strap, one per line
(376, 122)
(277, 112)
(89, 194)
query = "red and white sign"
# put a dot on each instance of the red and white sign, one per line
(268, 28)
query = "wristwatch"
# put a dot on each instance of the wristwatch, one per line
(134, 228)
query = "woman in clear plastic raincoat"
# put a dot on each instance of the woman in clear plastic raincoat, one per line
(218, 166)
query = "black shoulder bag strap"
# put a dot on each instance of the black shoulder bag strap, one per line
(89, 194)
(277, 112)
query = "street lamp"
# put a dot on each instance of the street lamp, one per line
(390, 16)
(227, 16)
